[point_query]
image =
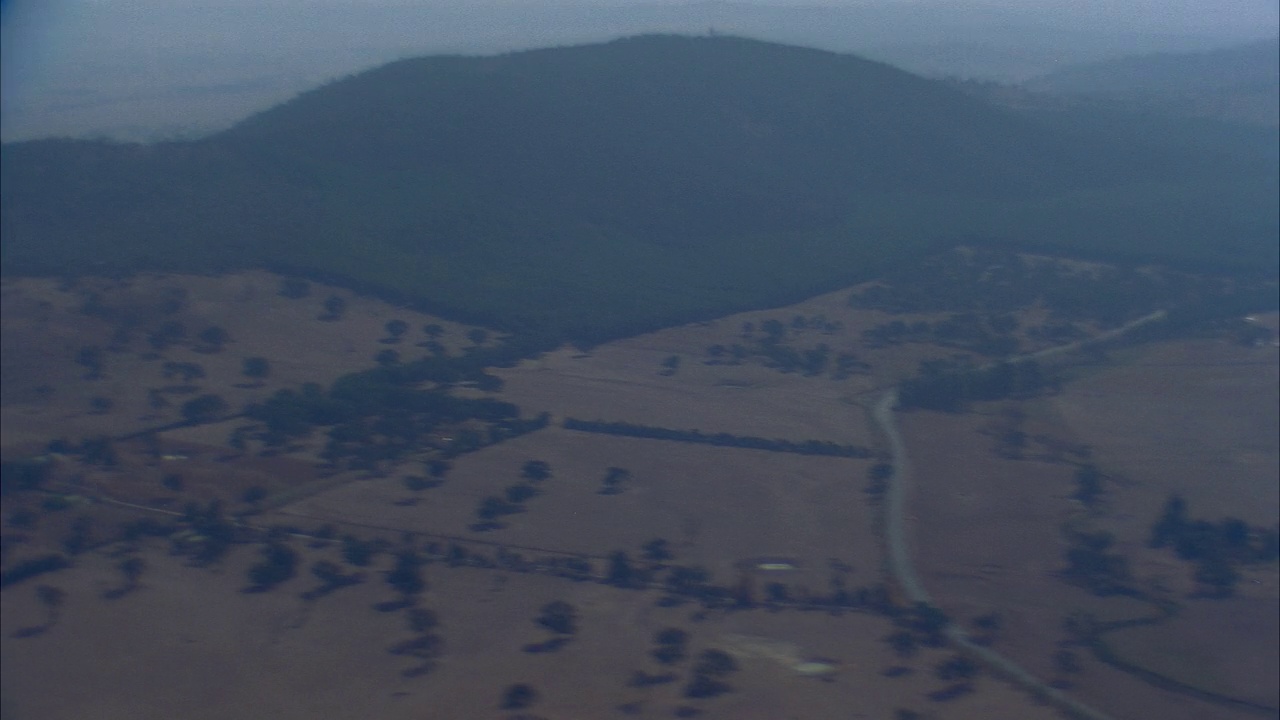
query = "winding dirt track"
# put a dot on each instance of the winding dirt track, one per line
(900, 556)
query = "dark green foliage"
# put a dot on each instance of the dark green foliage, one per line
(558, 617)
(214, 531)
(213, 338)
(204, 408)
(334, 307)
(672, 646)
(535, 471)
(621, 573)
(406, 576)
(1215, 549)
(418, 483)
(34, 567)
(956, 668)
(256, 367)
(489, 187)
(715, 663)
(951, 390)
(22, 475)
(1092, 566)
(518, 697)
(187, 371)
(642, 679)
(254, 495)
(670, 365)
(23, 519)
(357, 552)
(807, 447)
(657, 550)
(951, 692)
(712, 665)
(279, 563)
(395, 329)
(1088, 485)
(520, 492)
(614, 479)
(98, 451)
(79, 536)
(91, 358)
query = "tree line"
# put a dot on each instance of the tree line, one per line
(651, 432)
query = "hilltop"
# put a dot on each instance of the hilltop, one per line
(599, 190)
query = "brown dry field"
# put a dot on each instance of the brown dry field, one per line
(43, 328)
(987, 531)
(715, 506)
(620, 381)
(189, 644)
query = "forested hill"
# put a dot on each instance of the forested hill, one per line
(1240, 82)
(597, 190)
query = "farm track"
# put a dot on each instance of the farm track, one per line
(903, 570)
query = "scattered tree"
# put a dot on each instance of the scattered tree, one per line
(334, 307)
(558, 617)
(672, 645)
(204, 408)
(257, 368)
(518, 697)
(395, 330)
(535, 471)
(213, 338)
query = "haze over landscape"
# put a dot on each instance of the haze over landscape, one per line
(632, 359)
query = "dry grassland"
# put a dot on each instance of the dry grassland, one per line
(44, 326)
(1197, 418)
(188, 644)
(715, 506)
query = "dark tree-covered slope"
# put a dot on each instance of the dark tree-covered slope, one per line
(597, 190)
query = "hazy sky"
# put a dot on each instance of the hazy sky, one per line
(59, 56)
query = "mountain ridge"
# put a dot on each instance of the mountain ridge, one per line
(597, 190)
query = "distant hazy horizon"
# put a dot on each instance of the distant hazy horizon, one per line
(152, 68)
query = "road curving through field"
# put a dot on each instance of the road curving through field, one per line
(903, 571)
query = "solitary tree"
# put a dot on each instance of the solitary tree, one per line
(672, 646)
(334, 307)
(256, 368)
(536, 470)
(213, 338)
(518, 697)
(203, 408)
(52, 598)
(558, 617)
(395, 329)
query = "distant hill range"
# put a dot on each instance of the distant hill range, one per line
(599, 190)
(1236, 83)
